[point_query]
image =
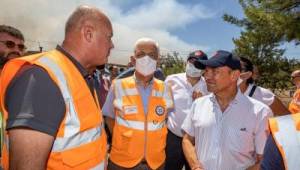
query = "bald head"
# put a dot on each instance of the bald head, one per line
(296, 78)
(88, 36)
(295, 73)
(84, 14)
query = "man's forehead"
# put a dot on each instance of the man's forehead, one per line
(146, 47)
(5, 36)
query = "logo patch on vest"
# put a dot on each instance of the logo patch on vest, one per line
(159, 110)
(130, 110)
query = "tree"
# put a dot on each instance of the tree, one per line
(172, 64)
(260, 41)
(284, 14)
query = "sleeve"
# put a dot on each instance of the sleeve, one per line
(168, 94)
(126, 73)
(159, 74)
(108, 107)
(272, 158)
(267, 96)
(262, 130)
(34, 101)
(188, 126)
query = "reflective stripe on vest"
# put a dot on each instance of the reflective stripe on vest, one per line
(120, 93)
(139, 125)
(72, 135)
(289, 139)
(61, 144)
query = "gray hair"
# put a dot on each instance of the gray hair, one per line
(146, 40)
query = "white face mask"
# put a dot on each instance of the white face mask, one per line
(192, 71)
(240, 81)
(145, 65)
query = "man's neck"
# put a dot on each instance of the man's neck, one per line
(144, 80)
(243, 87)
(76, 54)
(225, 97)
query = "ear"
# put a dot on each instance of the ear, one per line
(88, 32)
(246, 75)
(235, 75)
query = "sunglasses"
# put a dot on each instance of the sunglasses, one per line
(11, 44)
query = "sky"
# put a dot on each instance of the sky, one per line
(177, 25)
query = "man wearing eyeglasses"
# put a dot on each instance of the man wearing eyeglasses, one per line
(294, 106)
(11, 44)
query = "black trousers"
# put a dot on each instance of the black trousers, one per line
(141, 166)
(175, 159)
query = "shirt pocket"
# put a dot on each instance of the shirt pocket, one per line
(240, 140)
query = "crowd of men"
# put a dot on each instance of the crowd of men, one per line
(56, 104)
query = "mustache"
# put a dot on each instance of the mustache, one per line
(13, 53)
(4, 58)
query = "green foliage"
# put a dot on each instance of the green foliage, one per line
(172, 64)
(261, 37)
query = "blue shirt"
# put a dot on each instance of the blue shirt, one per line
(272, 158)
(108, 108)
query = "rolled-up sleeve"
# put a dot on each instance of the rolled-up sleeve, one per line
(262, 130)
(108, 107)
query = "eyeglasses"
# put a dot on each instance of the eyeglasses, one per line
(293, 77)
(11, 44)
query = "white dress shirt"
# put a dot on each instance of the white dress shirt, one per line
(261, 94)
(228, 140)
(182, 93)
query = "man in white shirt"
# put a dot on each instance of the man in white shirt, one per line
(264, 95)
(225, 130)
(186, 87)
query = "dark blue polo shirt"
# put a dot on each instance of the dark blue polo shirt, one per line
(272, 159)
(34, 101)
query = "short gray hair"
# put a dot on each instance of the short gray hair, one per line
(145, 40)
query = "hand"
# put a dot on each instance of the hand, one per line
(196, 94)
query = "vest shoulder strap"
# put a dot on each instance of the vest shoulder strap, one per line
(252, 91)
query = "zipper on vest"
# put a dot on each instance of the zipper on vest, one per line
(146, 131)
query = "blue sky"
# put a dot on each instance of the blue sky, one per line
(212, 32)
(177, 25)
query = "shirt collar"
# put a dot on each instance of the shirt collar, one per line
(237, 97)
(81, 69)
(139, 82)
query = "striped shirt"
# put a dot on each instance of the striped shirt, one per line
(228, 140)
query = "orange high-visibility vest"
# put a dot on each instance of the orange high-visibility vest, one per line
(286, 133)
(138, 135)
(4, 149)
(294, 106)
(80, 142)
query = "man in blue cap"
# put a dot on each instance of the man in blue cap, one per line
(225, 129)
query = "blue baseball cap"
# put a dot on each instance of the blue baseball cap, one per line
(219, 59)
(198, 54)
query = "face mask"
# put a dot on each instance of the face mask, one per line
(192, 71)
(145, 65)
(240, 81)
